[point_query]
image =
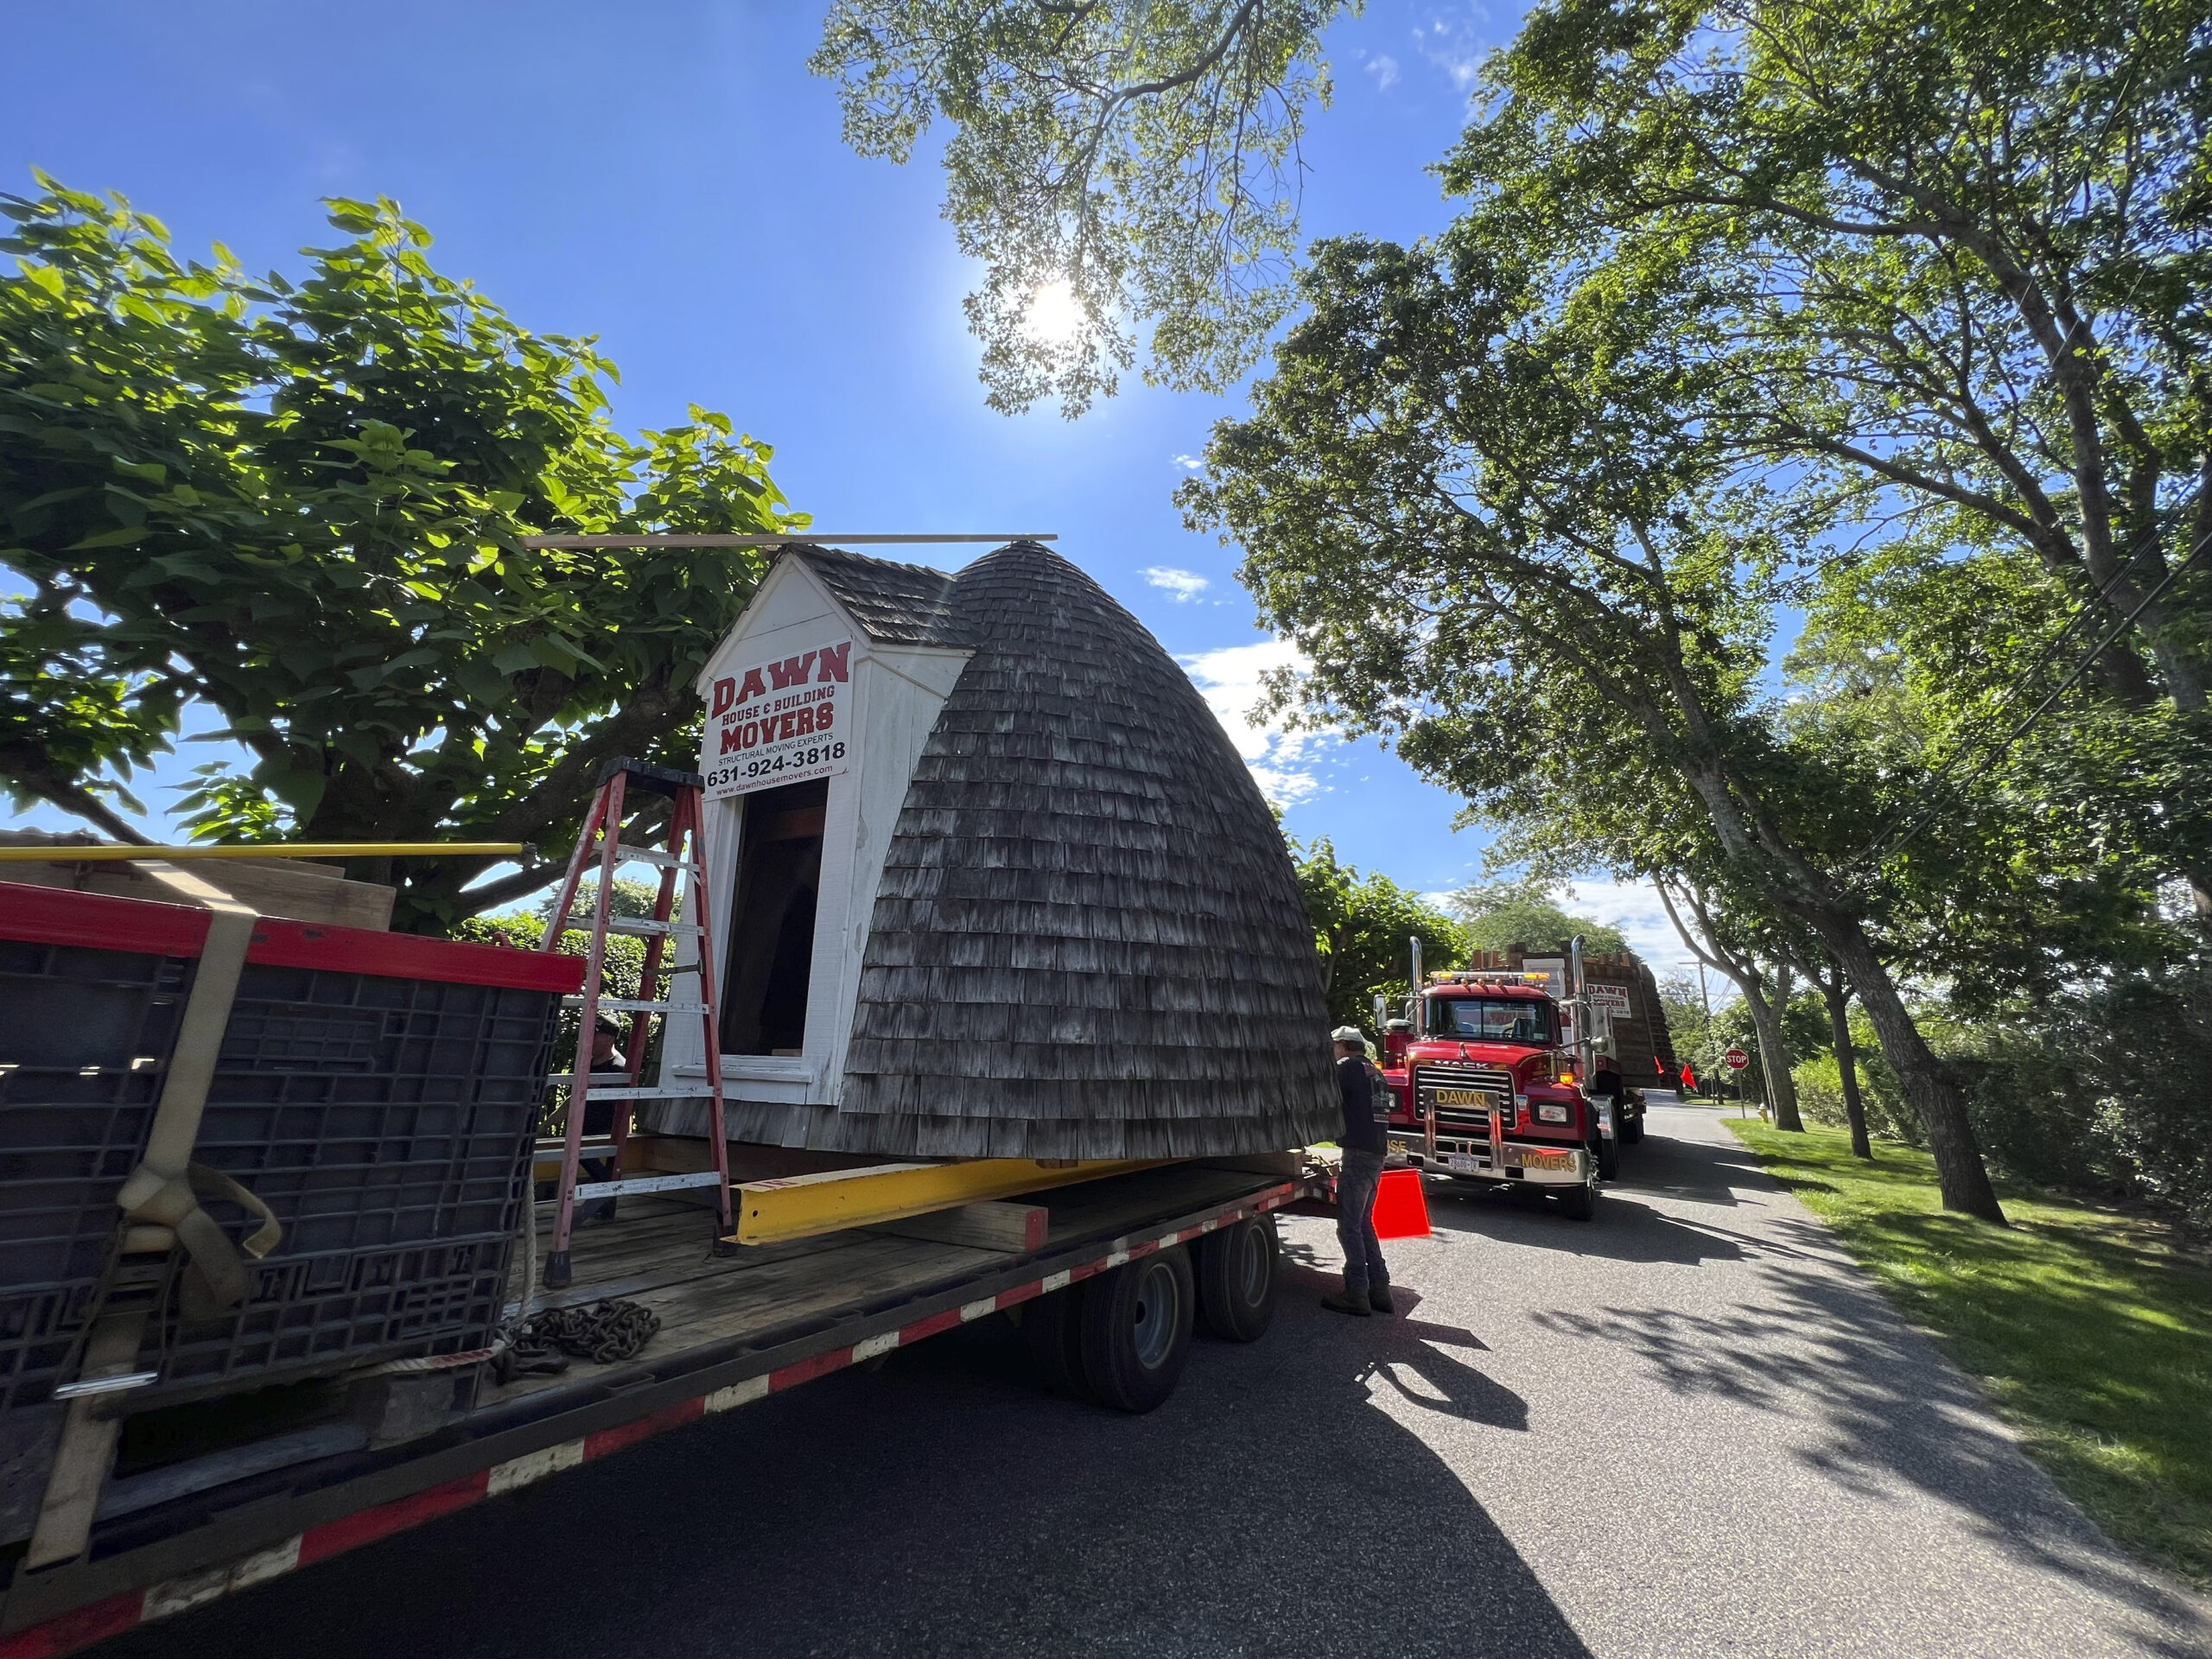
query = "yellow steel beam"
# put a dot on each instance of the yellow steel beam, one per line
(800, 1206)
(104, 853)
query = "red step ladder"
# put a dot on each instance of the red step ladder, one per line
(685, 854)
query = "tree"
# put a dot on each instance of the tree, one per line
(1111, 163)
(1835, 997)
(1467, 495)
(2018, 877)
(633, 898)
(1708, 942)
(1498, 915)
(300, 505)
(1362, 927)
(1683, 999)
(1949, 259)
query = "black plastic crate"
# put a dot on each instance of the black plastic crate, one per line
(85, 1047)
(377, 1091)
(389, 1124)
(334, 1313)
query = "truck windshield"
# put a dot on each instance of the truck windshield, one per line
(1490, 1019)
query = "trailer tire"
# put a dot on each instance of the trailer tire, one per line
(1052, 1325)
(1137, 1330)
(1236, 1280)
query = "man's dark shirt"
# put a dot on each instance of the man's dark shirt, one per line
(1364, 1131)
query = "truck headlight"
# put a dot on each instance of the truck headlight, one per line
(1551, 1111)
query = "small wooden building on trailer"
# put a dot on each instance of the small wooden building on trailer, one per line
(992, 881)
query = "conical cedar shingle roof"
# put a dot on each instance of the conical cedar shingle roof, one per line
(1088, 941)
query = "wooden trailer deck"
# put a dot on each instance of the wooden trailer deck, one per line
(734, 1329)
(659, 1253)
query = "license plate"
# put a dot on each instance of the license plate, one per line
(1462, 1097)
(1462, 1160)
(1534, 1160)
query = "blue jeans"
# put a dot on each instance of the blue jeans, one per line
(1357, 1183)
(591, 1209)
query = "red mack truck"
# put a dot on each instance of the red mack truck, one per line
(1489, 1073)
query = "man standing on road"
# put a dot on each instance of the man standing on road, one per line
(1367, 1281)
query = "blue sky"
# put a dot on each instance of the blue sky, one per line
(670, 178)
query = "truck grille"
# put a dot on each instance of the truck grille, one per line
(1492, 1085)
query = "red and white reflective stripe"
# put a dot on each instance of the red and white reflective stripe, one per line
(78, 1629)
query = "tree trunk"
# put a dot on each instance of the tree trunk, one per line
(1942, 1109)
(26, 765)
(1782, 1072)
(1838, 996)
(1774, 1052)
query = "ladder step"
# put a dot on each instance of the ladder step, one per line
(637, 927)
(598, 1093)
(555, 1149)
(626, 853)
(644, 1184)
(624, 1005)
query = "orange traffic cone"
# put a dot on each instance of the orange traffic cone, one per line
(1401, 1205)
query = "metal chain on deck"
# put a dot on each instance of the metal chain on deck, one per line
(602, 1331)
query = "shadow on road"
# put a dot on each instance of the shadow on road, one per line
(1399, 1353)
(1823, 1342)
(1622, 1231)
(946, 1506)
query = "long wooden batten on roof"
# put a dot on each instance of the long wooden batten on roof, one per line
(999, 885)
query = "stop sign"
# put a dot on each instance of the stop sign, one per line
(1737, 1059)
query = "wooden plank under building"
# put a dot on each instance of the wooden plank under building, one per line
(798, 1206)
(997, 1225)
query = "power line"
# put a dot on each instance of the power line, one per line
(2020, 680)
(2147, 543)
(1881, 846)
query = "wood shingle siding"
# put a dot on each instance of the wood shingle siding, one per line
(896, 604)
(1088, 941)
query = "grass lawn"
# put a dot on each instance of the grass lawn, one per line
(2091, 1331)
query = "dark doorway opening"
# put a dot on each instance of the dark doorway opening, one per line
(771, 939)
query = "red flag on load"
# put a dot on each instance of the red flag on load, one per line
(1689, 1081)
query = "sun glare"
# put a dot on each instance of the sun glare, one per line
(1053, 316)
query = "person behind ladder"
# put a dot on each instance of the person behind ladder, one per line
(606, 1057)
(1365, 1097)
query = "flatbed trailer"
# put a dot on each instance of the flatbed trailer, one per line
(734, 1328)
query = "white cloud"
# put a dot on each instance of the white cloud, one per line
(1189, 463)
(1184, 584)
(1286, 787)
(1455, 47)
(1631, 907)
(1384, 68)
(1229, 679)
(1634, 908)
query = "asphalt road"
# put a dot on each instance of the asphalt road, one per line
(1687, 1427)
